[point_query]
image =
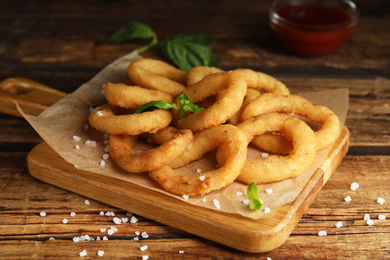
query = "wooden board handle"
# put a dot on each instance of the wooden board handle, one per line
(33, 97)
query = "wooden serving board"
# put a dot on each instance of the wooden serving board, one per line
(232, 230)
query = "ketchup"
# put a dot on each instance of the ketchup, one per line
(312, 30)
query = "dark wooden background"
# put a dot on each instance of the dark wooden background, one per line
(62, 44)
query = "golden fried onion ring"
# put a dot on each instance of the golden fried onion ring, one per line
(103, 118)
(275, 167)
(269, 102)
(233, 141)
(158, 75)
(234, 89)
(121, 150)
(122, 95)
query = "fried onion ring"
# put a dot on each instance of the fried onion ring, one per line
(233, 141)
(275, 143)
(225, 106)
(126, 96)
(104, 118)
(198, 73)
(268, 103)
(121, 150)
(158, 75)
(275, 167)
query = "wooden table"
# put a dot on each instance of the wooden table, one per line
(62, 44)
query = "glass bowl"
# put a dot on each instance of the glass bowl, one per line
(313, 27)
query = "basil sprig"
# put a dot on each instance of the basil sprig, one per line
(255, 203)
(182, 100)
(185, 50)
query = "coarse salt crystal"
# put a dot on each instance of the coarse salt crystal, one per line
(198, 170)
(101, 213)
(86, 202)
(144, 235)
(104, 238)
(107, 141)
(102, 163)
(143, 248)
(133, 220)
(145, 257)
(354, 186)
(98, 239)
(348, 199)
(88, 142)
(129, 214)
(83, 253)
(105, 156)
(246, 201)
(76, 239)
(202, 178)
(380, 200)
(370, 222)
(264, 155)
(93, 143)
(72, 214)
(136, 238)
(322, 233)
(185, 197)
(381, 217)
(216, 203)
(76, 138)
(64, 221)
(77, 147)
(268, 191)
(125, 220)
(100, 253)
(338, 224)
(117, 221)
(110, 232)
(42, 214)
(102, 230)
(367, 216)
(107, 148)
(239, 193)
(52, 238)
(267, 210)
(204, 199)
(269, 258)
(181, 252)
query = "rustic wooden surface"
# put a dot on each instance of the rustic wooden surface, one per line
(61, 44)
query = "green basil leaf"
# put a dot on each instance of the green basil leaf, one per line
(192, 108)
(186, 55)
(199, 38)
(153, 105)
(255, 204)
(253, 195)
(132, 30)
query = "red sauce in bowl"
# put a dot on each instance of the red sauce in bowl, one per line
(312, 30)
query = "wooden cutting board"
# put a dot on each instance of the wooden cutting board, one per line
(232, 230)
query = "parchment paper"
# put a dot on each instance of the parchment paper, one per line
(67, 118)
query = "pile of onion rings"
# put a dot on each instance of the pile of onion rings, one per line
(242, 108)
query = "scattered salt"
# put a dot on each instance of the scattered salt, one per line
(77, 147)
(145, 257)
(380, 201)
(101, 213)
(76, 239)
(264, 155)
(269, 258)
(83, 253)
(268, 191)
(144, 235)
(354, 186)
(42, 214)
(102, 230)
(105, 156)
(198, 170)
(125, 220)
(64, 221)
(52, 238)
(216, 203)
(181, 252)
(137, 233)
(381, 217)
(93, 143)
(370, 222)
(104, 238)
(136, 238)
(100, 253)
(185, 197)
(117, 221)
(267, 210)
(348, 199)
(202, 178)
(102, 163)
(129, 214)
(204, 199)
(367, 216)
(246, 201)
(98, 239)
(107, 148)
(338, 224)
(72, 214)
(86, 202)
(143, 248)
(239, 193)
(322, 233)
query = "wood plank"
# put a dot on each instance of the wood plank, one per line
(256, 236)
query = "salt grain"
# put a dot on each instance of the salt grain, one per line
(370, 222)
(202, 178)
(52, 238)
(133, 220)
(100, 253)
(105, 156)
(268, 191)
(104, 238)
(98, 239)
(246, 201)
(354, 186)
(338, 224)
(367, 216)
(216, 203)
(145, 257)
(76, 138)
(181, 252)
(117, 221)
(42, 214)
(129, 214)
(144, 235)
(125, 220)
(64, 221)
(348, 199)
(239, 193)
(86, 202)
(72, 214)
(102, 230)
(198, 170)
(102, 163)
(185, 197)
(76, 239)
(264, 155)
(101, 213)
(83, 253)
(380, 201)
(143, 248)
(77, 147)
(267, 210)
(136, 238)
(322, 233)
(381, 217)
